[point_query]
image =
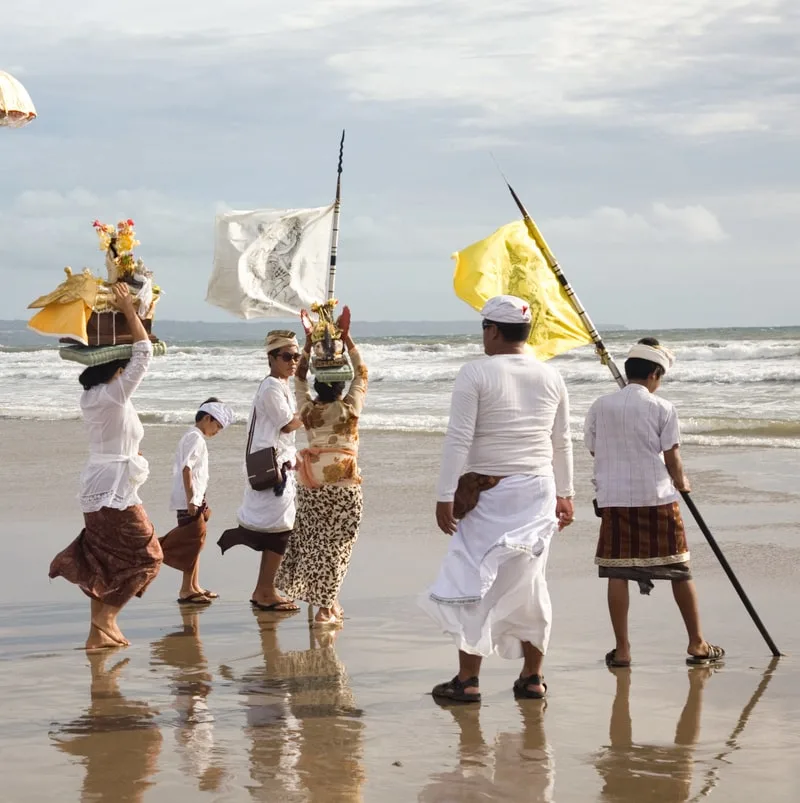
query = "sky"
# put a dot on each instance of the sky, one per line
(656, 145)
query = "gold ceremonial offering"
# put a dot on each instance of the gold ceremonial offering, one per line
(81, 311)
(329, 361)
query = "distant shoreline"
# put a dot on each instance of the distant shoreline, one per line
(16, 332)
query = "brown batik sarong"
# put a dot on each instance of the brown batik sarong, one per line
(183, 544)
(643, 544)
(116, 556)
(257, 541)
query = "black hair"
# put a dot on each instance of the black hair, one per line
(511, 332)
(637, 368)
(101, 374)
(200, 416)
(328, 391)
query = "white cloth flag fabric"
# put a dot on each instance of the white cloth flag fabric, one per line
(271, 263)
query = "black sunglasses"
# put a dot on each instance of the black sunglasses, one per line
(486, 324)
(289, 356)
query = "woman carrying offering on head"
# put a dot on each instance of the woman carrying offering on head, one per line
(329, 501)
(117, 554)
(266, 517)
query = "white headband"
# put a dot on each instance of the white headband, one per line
(220, 412)
(657, 354)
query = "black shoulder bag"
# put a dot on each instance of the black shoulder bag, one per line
(262, 465)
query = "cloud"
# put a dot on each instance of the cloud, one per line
(693, 68)
(674, 122)
(661, 223)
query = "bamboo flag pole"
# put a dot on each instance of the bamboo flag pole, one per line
(605, 358)
(335, 228)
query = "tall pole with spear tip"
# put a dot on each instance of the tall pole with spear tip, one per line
(335, 228)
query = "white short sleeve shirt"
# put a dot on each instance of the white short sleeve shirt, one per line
(628, 433)
(192, 453)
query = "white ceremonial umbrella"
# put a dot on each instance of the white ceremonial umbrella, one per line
(16, 106)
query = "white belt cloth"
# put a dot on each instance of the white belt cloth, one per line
(112, 480)
(491, 592)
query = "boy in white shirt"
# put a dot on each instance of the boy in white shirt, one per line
(634, 438)
(182, 545)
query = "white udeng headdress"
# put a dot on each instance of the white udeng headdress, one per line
(507, 309)
(220, 412)
(657, 354)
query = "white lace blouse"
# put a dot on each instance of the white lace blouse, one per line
(115, 470)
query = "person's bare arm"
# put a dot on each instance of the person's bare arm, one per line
(302, 367)
(672, 459)
(294, 424)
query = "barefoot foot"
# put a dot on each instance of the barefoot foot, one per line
(100, 640)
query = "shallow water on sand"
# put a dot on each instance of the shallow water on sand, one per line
(227, 705)
(223, 704)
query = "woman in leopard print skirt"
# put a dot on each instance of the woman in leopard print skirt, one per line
(329, 498)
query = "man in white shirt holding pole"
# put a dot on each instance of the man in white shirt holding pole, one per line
(505, 488)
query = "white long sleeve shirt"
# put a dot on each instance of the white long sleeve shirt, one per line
(115, 470)
(509, 414)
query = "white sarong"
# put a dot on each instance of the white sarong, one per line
(491, 593)
(263, 512)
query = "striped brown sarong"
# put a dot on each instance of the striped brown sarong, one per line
(116, 556)
(182, 545)
(643, 544)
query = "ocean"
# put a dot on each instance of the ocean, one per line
(733, 387)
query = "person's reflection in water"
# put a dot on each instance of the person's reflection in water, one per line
(655, 773)
(116, 740)
(305, 729)
(191, 684)
(517, 766)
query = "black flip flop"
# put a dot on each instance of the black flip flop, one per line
(453, 691)
(276, 607)
(611, 660)
(521, 687)
(714, 656)
(194, 599)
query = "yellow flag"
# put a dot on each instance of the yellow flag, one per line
(509, 262)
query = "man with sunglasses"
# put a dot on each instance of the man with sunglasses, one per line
(266, 518)
(505, 488)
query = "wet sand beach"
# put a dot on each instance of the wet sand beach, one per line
(224, 704)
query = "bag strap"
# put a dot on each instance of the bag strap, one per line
(250, 434)
(253, 421)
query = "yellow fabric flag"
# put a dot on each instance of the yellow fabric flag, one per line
(510, 262)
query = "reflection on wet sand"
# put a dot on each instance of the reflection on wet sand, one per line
(656, 773)
(116, 740)
(191, 684)
(305, 729)
(518, 766)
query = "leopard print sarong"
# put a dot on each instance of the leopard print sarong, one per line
(326, 529)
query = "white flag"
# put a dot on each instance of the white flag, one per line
(270, 263)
